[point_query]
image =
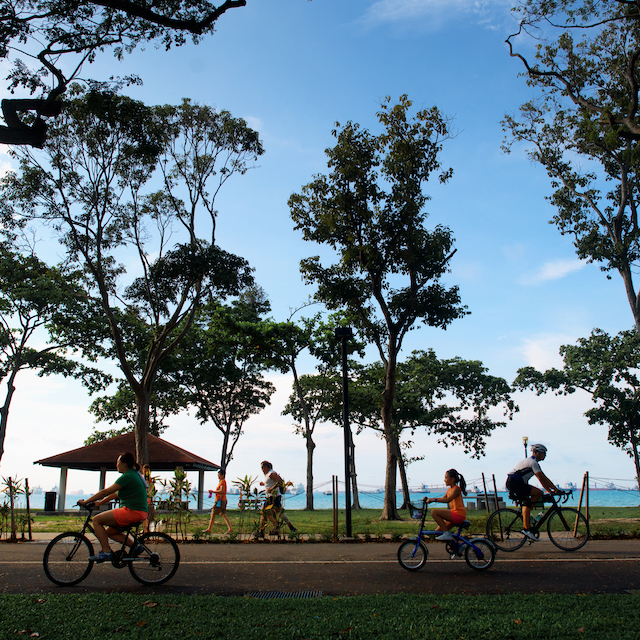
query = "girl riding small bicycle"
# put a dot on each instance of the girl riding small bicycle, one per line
(446, 519)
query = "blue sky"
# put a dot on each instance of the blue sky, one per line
(293, 68)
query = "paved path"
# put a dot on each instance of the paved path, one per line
(349, 569)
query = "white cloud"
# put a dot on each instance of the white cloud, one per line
(542, 351)
(554, 270)
(396, 11)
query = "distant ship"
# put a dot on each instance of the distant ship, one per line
(609, 486)
(327, 493)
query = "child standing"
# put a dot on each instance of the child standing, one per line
(220, 504)
(456, 514)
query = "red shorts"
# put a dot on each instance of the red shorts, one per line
(125, 516)
(457, 518)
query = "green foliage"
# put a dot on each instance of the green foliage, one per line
(174, 498)
(380, 235)
(607, 369)
(451, 398)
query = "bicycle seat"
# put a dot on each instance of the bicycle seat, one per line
(465, 525)
(128, 527)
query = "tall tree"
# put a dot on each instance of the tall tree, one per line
(89, 187)
(220, 365)
(584, 127)
(607, 369)
(48, 32)
(307, 402)
(387, 277)
(45, 318)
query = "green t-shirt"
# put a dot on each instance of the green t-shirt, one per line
(133, 493)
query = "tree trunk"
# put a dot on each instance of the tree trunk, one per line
(143, 398)
(390, 510)
(406, 498)
(225, 445)
(634, 300)
(355, 502)
(310, 447)
(636, 458)
(4, 411)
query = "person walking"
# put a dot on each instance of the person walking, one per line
(273, 485)
(220, 503)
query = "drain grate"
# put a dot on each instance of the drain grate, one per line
(283, 594)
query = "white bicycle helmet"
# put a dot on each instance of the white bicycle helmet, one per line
(538, 448)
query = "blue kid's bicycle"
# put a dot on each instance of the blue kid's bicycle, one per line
(479, 553)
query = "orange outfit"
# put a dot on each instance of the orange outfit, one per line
(456, 505)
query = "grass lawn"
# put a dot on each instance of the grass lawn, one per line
(93, 616)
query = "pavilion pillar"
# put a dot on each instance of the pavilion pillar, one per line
(62, 488)
(200, 489)
(103, 478)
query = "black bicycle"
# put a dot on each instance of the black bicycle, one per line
(67, 560)
(567, 528)
(478, 553)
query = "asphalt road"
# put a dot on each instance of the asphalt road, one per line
(348, 569)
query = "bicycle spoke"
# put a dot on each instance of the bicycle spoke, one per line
(158, 562)
(568, 529)
(412, 557)
(504, 529)
(66, 559)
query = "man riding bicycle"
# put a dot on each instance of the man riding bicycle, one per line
(520, 489)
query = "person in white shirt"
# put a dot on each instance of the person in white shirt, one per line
(526, 494)
(272, 484)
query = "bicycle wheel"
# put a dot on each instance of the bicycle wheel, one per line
(568, 529)
(412, 557)
(504, 529)
(158, 562)
(484, 558)
(66, 559)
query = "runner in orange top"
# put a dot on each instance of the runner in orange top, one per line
(220, 504)
(457, 514)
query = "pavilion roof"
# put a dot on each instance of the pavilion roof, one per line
(163, 456)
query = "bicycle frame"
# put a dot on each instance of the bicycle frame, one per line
(459, 539)
(549, 499)
(119, 556)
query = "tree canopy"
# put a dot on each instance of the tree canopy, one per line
(40, 36)
(583, 127)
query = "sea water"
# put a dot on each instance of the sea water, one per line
(600, 498)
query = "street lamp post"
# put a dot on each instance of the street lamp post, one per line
(344, 334)
(525, 441)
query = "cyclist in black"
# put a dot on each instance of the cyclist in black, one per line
(526, 494)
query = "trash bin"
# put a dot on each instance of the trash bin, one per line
(50, 501)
